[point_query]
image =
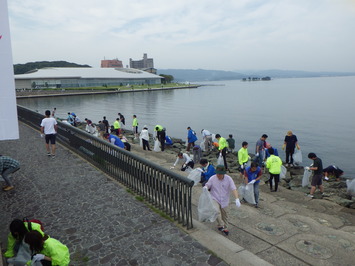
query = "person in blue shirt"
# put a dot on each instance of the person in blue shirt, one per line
(208, 170)
(191, 138)
(114, 140)
(252, 175)
(267, 154)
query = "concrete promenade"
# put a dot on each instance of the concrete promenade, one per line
(100, 222)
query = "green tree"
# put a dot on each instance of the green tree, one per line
(167, 78)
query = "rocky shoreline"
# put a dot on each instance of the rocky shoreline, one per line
(335, 191)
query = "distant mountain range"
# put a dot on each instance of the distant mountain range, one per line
(194, 75)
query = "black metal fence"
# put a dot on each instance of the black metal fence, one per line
(162, 188)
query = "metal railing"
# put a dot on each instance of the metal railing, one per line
(164, 189)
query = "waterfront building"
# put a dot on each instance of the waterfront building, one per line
(115, 63)
(68, 77)
(146, 64)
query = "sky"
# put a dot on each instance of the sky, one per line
(309, 35)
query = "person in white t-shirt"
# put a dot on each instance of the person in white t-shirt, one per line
(49, 130)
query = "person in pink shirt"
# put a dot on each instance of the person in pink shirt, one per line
(220, 186)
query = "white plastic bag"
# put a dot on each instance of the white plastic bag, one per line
(140, 141)
(202, 145)
(297, 157)
(220, 160)
(305, 179)
(195, 175)
(156, 145)
(247, 192)
(23, 255)
(283, 172)
(350, 183)
(248, 163)
(206, 210)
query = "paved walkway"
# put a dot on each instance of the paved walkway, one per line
(100, 222)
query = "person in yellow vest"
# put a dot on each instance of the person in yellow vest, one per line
(273, 163)
(135, 126)
(117, 126)
(243, 158)
(18, 230)
(46, 249)
(222, 149)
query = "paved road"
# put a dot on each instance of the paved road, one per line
(95, 217)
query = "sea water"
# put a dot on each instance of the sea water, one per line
(319, 111)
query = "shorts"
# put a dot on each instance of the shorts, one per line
(51, 138)
(316, 180)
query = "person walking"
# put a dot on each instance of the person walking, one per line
(260, 150)
(107, 125)
(191, 138)
(8, 166)
(273, 163)
(122, 119)
(135, 126)
(290, 143)
(207, 138)
(145, 138)
(317, 168)
(222, 149)
(231, 143)
(220, 186)
(243, 157)
(252, 175)
(48, 131)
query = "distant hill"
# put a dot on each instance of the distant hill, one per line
(199, 75)
(24, 68)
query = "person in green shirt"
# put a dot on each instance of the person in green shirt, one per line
(231, 143)
(18, 230)
(243, 157)
(135, 126)
(117, 126)
(222, 149)
(273, 163)
(45, 248)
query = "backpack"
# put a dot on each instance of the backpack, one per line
(33, 221)
(193, 132)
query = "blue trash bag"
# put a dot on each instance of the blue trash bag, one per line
(168, 141)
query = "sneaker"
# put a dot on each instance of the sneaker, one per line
(225, 231)
(310, 196)
(286, 165)
(8, 188)
(256, 206)
(221, 228)
(48, 154)
(53, 155)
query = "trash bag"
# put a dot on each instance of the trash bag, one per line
(283, 172)
(156, 145)
(297, 157)
(202, 145)
(206, 210)
(23, 255)
(168, 140)
(195, 175)
(247, 192)
(220, 160)
(305, 179)
(350, 183)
